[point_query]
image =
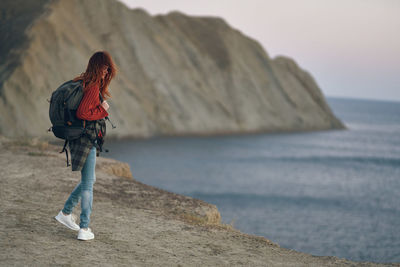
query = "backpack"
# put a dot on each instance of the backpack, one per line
(64, 103)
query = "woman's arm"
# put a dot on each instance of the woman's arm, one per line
(90, 108)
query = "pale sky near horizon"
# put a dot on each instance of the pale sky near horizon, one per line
(350, 47)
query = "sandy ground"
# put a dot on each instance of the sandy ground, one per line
(134, 224)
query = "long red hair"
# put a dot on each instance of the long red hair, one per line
(93, 72)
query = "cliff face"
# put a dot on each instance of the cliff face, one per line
(178, 74)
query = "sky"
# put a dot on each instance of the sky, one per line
(350, 47)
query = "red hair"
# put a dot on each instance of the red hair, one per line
(93, 73)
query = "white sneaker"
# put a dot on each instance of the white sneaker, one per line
(68, 220)
(85, 234)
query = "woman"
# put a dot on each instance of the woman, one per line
(95, 81)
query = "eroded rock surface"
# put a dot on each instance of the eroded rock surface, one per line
(178, 74)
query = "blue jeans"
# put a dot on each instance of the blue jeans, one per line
(84, 190)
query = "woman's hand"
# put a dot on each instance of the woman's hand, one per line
(105, 105)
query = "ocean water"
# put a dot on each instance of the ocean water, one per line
(332, 193)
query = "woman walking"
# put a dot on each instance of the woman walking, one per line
(92, 109)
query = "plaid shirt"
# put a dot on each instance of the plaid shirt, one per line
(80, 147)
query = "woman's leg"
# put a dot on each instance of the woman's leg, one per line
(86, 187)
(73, 200)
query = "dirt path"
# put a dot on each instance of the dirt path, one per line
(134, 224)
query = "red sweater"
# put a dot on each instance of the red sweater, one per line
(90, 108)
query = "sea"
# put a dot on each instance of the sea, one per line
(327, 193)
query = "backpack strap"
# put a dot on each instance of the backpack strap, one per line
(101, 98)
(99, 144)
(66, 151)
(107, 118)
(112, 125)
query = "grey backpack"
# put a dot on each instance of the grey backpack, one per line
(63, 105)
(64, 102)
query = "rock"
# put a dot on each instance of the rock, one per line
(178, 74)
(114, 167)
(212, 215)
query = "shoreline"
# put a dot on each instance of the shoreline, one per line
(125, 212)
(51, 140)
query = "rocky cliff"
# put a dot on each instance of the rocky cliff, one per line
(178, 74)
